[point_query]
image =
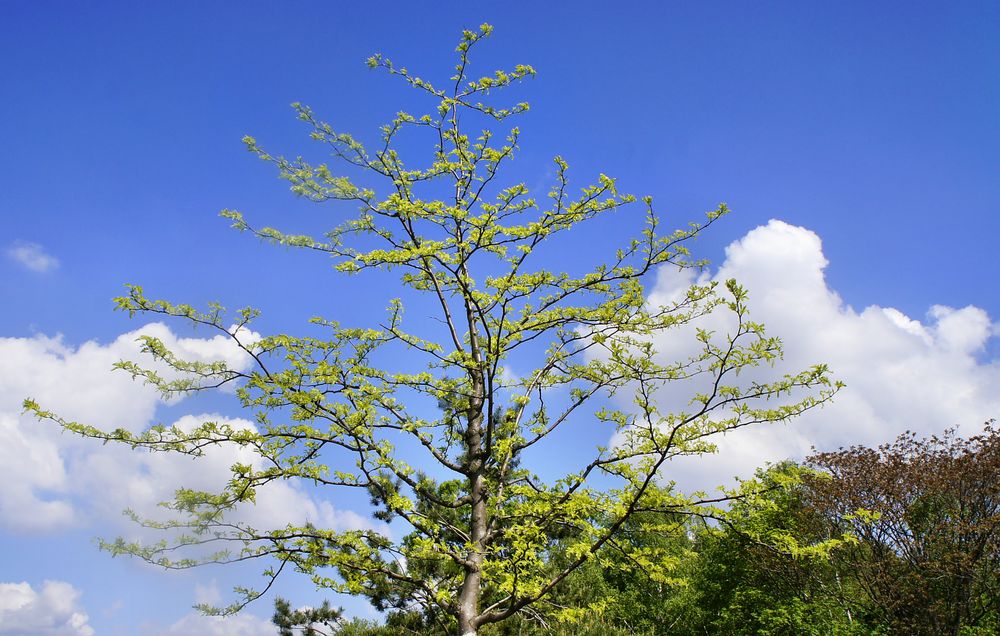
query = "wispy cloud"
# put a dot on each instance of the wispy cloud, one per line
(243, 624)
(32, 256)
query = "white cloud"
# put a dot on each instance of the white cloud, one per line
(78, 383)
(32, 256)
(964, 330)
(36, 459)
(31, 469)
(153, 478)
(51, 480)
(207, 594)
(52, 611)
(902, 373)
(242, 624)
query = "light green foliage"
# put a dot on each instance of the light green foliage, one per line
(483, 530)
(765, 568)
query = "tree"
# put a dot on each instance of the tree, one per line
(485, 526)
(769, 567)
(310, 621)
(926, 513)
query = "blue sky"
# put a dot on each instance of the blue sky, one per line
(869, 133)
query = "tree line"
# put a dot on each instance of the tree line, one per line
(899, 539)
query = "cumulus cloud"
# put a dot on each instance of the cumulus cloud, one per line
(32, 256)
(153, 478)
(78, 383)
(902, 373)
(53, 610)
(52, 480)
(31, 468)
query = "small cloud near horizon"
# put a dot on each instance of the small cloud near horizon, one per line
(31, 256)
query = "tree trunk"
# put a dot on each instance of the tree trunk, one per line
(471, 590)
(468, 597)
(468, 604)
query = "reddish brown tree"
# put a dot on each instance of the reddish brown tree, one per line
(926, 513)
